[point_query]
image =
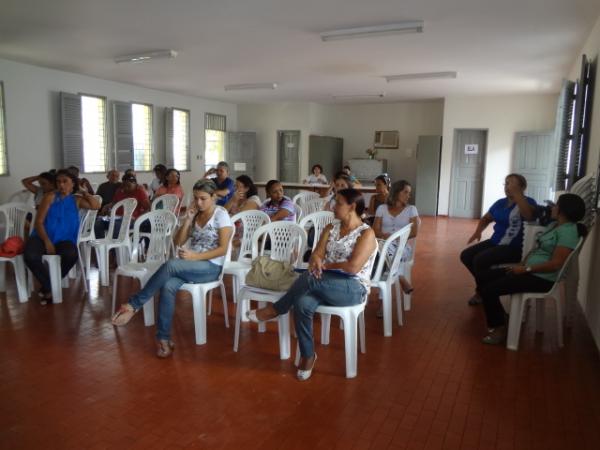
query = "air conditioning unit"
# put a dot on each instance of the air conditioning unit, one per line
(386, 139)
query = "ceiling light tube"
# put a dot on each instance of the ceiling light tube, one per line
(349, 96)
(412, 26)
(421, 76)
(245, 86)
(146, 56)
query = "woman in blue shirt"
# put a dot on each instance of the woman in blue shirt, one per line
(539, 269)
(505, 245)
(56, 229)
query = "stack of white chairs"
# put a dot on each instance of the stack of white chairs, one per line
(14, 217)
(288, 242)
(162, 224)
(122, 243)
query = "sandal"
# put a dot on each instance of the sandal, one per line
(123, 315)
(164, 348)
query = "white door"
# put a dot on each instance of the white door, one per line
(468, 162)
(289, 156)
(535, 159)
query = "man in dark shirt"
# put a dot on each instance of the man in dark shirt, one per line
(107, 189)
(225, 185)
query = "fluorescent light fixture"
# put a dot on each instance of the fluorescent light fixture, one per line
(355, 96)
(412, 26)
(249, 86)
(421, 76)
(146, 56)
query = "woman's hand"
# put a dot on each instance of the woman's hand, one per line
(50, 250)
(475, 237)
(240, 196)
(186, 254)
(191, 211)
(316, 266)
(517, 270)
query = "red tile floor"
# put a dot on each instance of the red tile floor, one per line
(68, 379)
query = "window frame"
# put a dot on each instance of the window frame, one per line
(106, 149)
(152, 137)
(213, 117)
(171, 158)
(5, 143)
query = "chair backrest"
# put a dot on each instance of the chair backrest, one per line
(303, 196)
(572, 257)
(167, 201)
(312, 206)
(287, 240)
(317, 220)
(394, 244)
(251, 220)
(162, 223)
(14, 216)
(87, 219)
(22, 196)
(298, 212)
(128, 205)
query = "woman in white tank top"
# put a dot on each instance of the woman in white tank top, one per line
(338, 274)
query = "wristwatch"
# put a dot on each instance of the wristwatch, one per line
(528, 269)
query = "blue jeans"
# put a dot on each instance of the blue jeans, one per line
(308, 292)
(169, 278)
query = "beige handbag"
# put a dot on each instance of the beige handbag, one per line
(267, 273)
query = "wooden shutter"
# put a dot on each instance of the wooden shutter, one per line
(72, 132)
(123, 132)
(169, 137)
(215, 122)
(564, 116)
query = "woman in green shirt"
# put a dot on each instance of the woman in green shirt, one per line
(540, 268)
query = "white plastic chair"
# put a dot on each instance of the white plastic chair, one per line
(14, 216)
(298, 213)
(167, 201)
(519, 301)
(22, 196)
(198, 292)
(303, 196)
(318, 221)
(238, 269)
(84, 238)
(385, 280)
(312, 206)
(162, 224)
(406, 270)
(122, 243)
(288, 242)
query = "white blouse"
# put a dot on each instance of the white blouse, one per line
(340, 249)
(206, 238)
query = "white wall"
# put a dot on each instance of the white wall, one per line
(33, 119)
(356, 124)
(589, 260)
(266, 120)
(502, 116)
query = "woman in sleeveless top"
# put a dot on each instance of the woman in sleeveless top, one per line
(56, 230)
(338, 275)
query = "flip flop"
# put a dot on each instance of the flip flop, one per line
(123, 315)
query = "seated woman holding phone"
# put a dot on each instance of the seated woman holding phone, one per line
(338, 274)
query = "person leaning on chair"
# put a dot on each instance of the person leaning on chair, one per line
(539, 269)
(56, 229)
(505, 245)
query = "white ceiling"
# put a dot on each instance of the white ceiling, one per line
(497, 46)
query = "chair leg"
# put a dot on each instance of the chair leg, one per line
(2, 277)
(114, 292)
(350, 339)
(325, 327)
(284, 336)
(539, 314)
(361, 330)
(559, 321)
(387, 310)
(53, 262)
(225, 309)
(262, 326)
(199, 307)
(82, 269)
(399, 298)
(517, 306)
(87, 258)
(407, 297)
(20, 277)
(149, 313)
(209, 303)
(238, 321)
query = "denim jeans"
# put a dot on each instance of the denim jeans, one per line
(308, 292)
(169, 278)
